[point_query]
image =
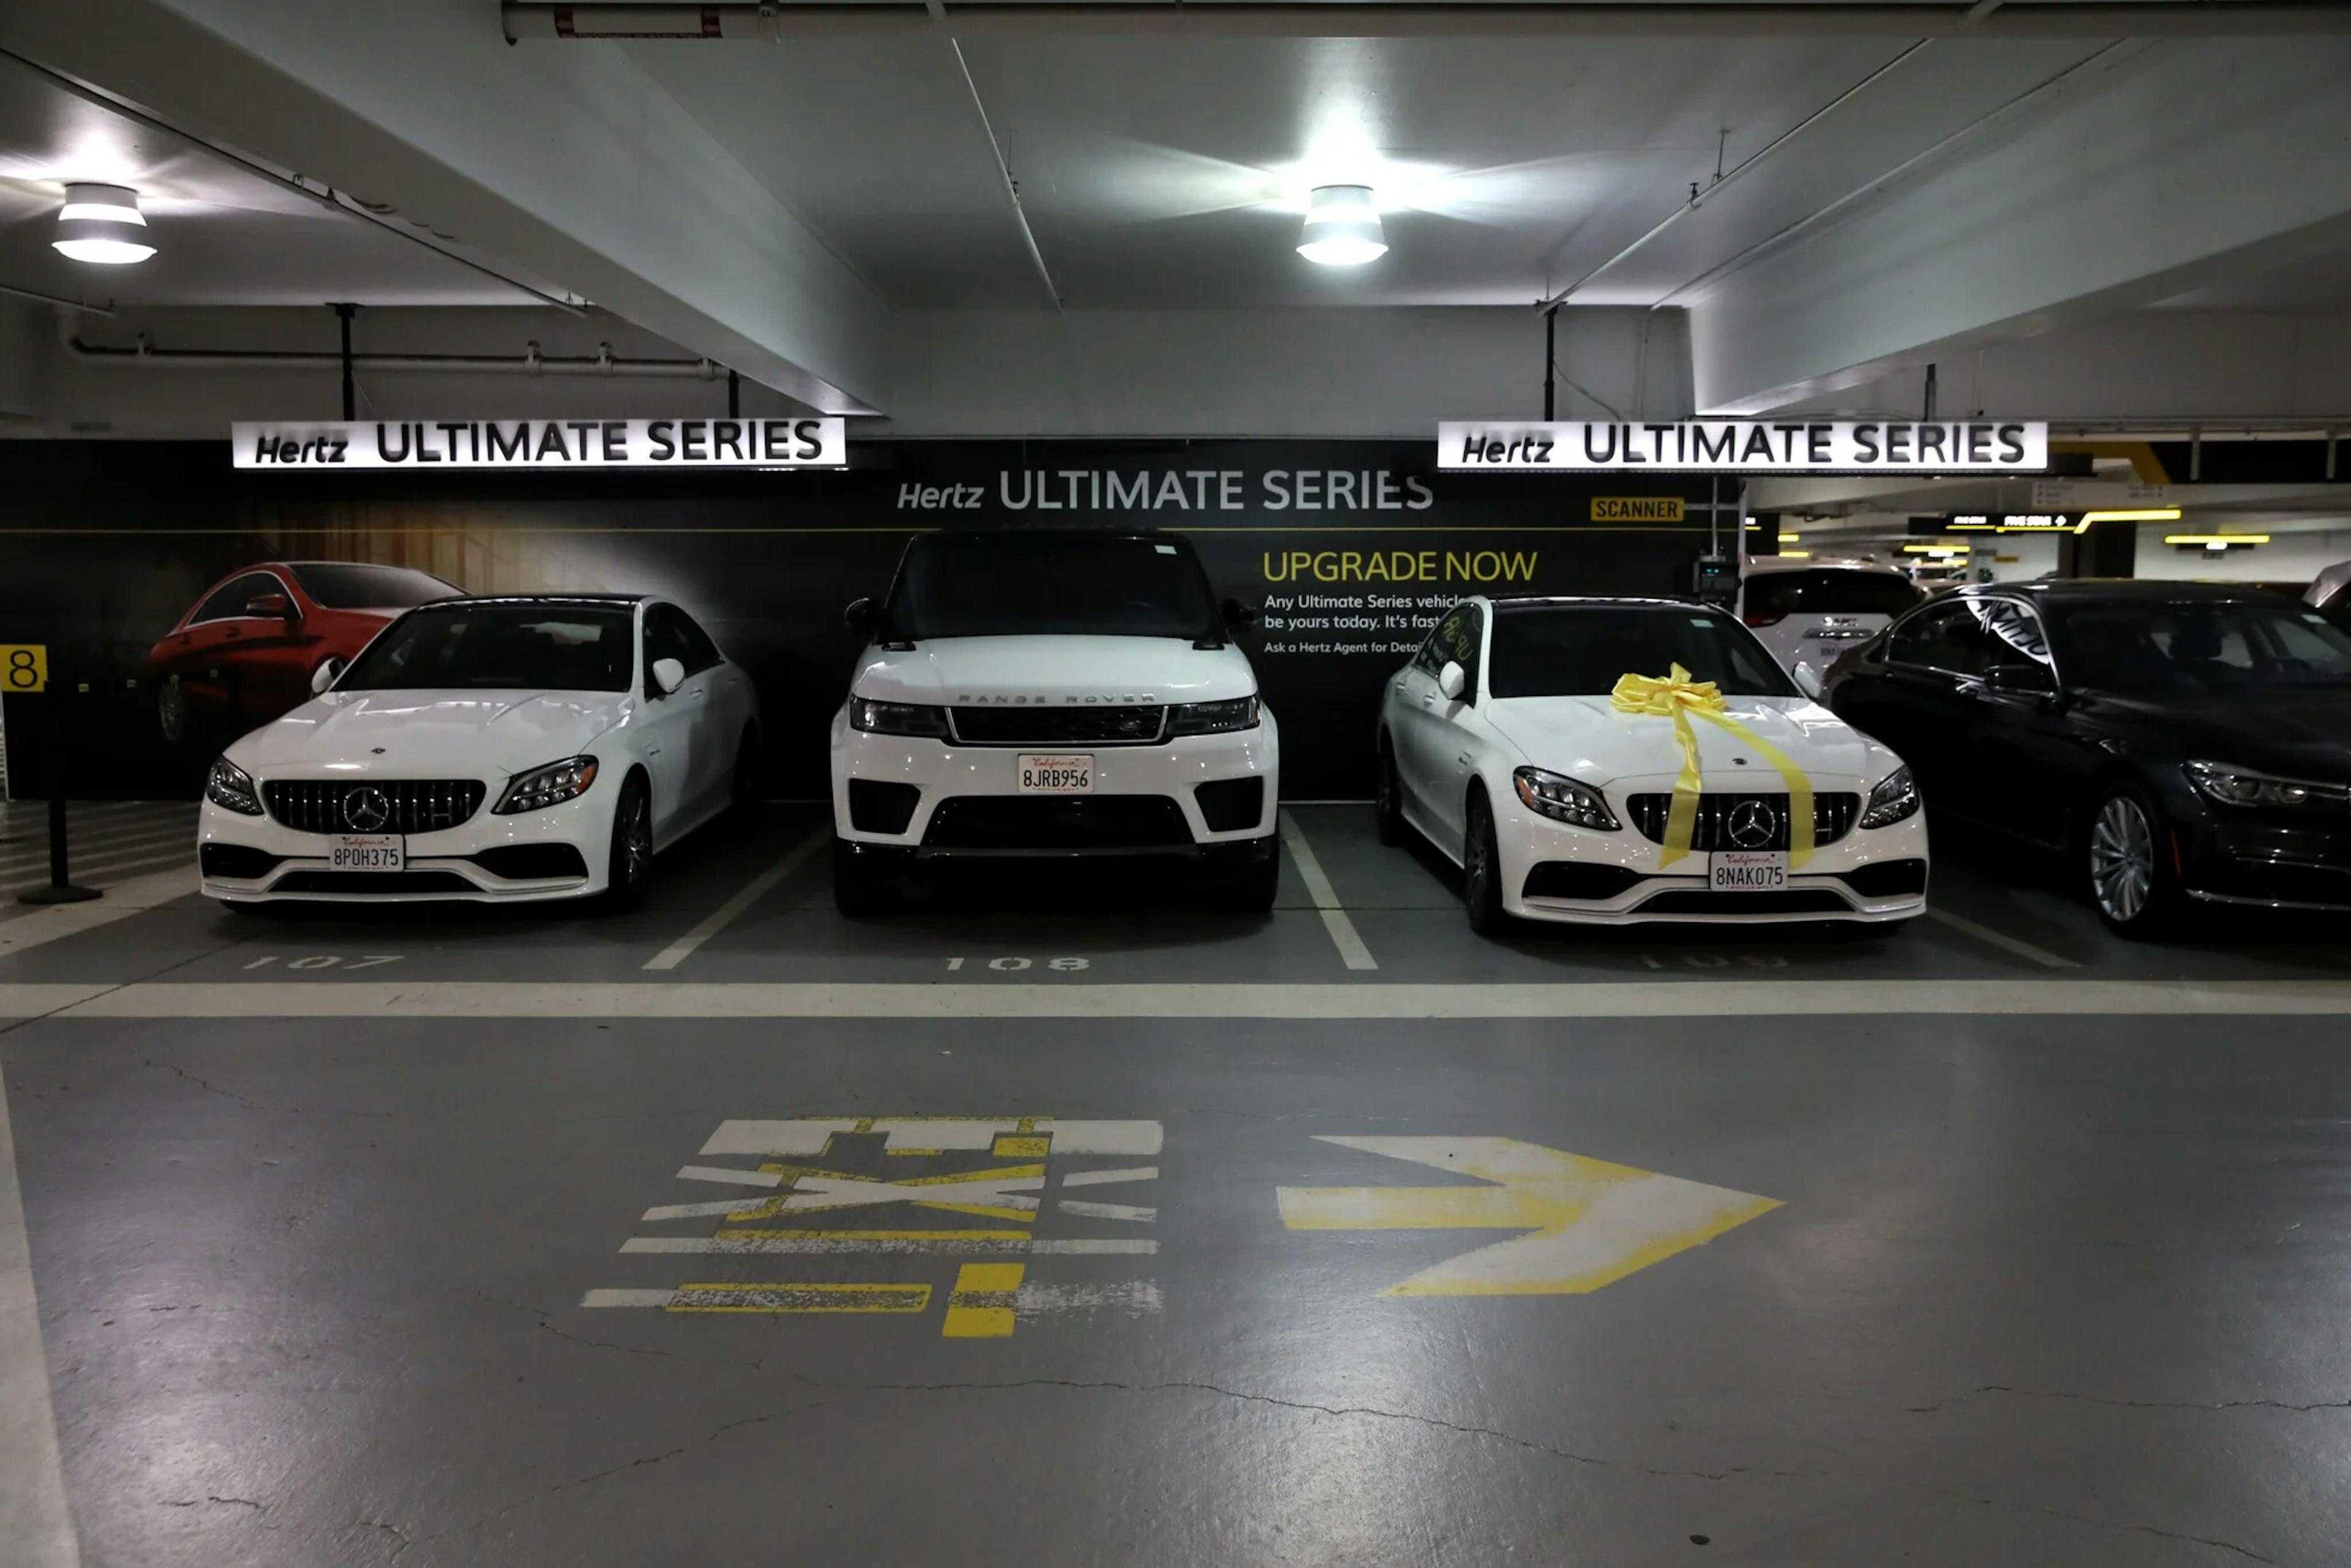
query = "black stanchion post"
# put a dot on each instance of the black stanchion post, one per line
(60, 889)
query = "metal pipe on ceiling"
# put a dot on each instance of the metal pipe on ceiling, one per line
(537, 19)
(532, 363)
(1004, 172)
(59, 300)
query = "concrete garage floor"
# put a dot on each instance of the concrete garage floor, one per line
(393, 1257)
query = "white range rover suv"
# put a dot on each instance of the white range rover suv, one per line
(1051, 693)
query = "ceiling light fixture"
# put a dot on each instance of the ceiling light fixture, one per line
(102, 224)
(1342, 227)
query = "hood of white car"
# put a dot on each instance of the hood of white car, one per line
(1053, 672)
(1586, 737)
(431, 733)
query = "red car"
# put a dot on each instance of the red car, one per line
(250, 648)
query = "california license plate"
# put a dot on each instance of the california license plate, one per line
(1747, 871)
(367, 851)
(1057, 775)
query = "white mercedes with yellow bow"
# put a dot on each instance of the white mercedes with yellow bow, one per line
(1618, 760)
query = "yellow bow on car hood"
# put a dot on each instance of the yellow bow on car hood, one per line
(1674, 696)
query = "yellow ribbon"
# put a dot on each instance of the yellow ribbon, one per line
(1676, 696)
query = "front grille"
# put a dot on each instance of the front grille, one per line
(1229, 805)
(238, 863)
(1094, 726)
(377, 882)
(1587, 880)
(409, 805)
(1793, 901)
(882, 804)
(532, 863)
(1833, 816)
(1047, 823)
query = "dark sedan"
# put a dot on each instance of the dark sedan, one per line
(2183, 744)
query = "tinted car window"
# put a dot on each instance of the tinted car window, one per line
(462, 646)
(1950, 637)
(665, 639)
(1454, 642)
(343, 585)
(2200, 646)
(702, 653)
(1829, 592)
(1582, 651)
(1000, 584)
(228, 603)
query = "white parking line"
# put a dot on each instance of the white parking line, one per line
(2003, 940)
(123, 900)
(677, 951)
(1318, 886)
(33, 1517)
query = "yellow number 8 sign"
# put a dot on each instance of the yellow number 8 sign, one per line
(23, 668)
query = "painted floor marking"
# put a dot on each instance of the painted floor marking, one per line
(963, 1243)
(1545, 1000)
(1101, 1178)
(1593, 1222)
(1136, 1298)
(787, 1298)
(34, 1522)
(2001, 940)
(1108, 1210)
(920, 1134)
(720, 918)
(732, 1177)
(981, 1305)
(1344, 935)
(123, 899)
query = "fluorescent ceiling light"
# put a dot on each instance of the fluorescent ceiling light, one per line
(1342, 227)
(102, 224)
(2216, 541)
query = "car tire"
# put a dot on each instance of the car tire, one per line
(171, 709)
(743, 793)
(1252, 892)
(857, 890)
(1388, 803)
(629, 865)
(1482, 871)
(2133, 883)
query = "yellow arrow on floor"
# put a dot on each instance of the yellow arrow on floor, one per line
(1593, 1222)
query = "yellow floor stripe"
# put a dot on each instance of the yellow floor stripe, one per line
(981, 1305)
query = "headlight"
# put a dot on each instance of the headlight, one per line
(230, 787)
(1895, 799)
(2243, 787)
(897, 718)
(548, 785)
(1212, 718)
(1564, 800)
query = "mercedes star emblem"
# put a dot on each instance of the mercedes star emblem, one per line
(365, 810)
(1753, 824)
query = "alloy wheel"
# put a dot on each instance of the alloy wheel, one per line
(171, 707)
(2121, 859)
(1477, 860)
(637, 842)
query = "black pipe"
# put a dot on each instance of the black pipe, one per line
(1550, 359)
(351, 392)
(61, 889)
(734, 395)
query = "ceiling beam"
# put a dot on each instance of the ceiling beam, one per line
(535, 19)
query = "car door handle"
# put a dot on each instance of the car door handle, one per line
(1428, 702)
(1463, 759)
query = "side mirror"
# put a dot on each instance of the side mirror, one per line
(1452, 680)
(2020, 680)
(1239, 617)
(1807, 679)
(668, 675)
(271, 607)
(859, 616)
(325, 676)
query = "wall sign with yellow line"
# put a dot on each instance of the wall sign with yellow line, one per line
(23, 668)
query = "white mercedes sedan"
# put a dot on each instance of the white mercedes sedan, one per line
(489, 750)
(1616, 760)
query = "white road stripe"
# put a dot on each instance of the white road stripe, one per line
(733, 1177)
(180, 840)
(1139, 1297)
(1318, 886)
(98, 871)
(720, 918)
(1085, 1210)
(747, 1245)
(1636, 998)
(703, 1210)
(33, 1519)
(2001, 940)
(123, 900)
(1098, 1178)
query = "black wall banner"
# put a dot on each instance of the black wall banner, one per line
(1349, 550)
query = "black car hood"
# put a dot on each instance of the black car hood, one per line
(2300, 732)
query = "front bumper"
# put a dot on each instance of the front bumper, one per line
(440, 866)
(987, 816)
(2267, 859)
(1845, 882)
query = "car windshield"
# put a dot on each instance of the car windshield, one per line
(1558, 651)
(1828, 591)
(342, 585)
(2199, 645)
(470, 647)
(1011, 584)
